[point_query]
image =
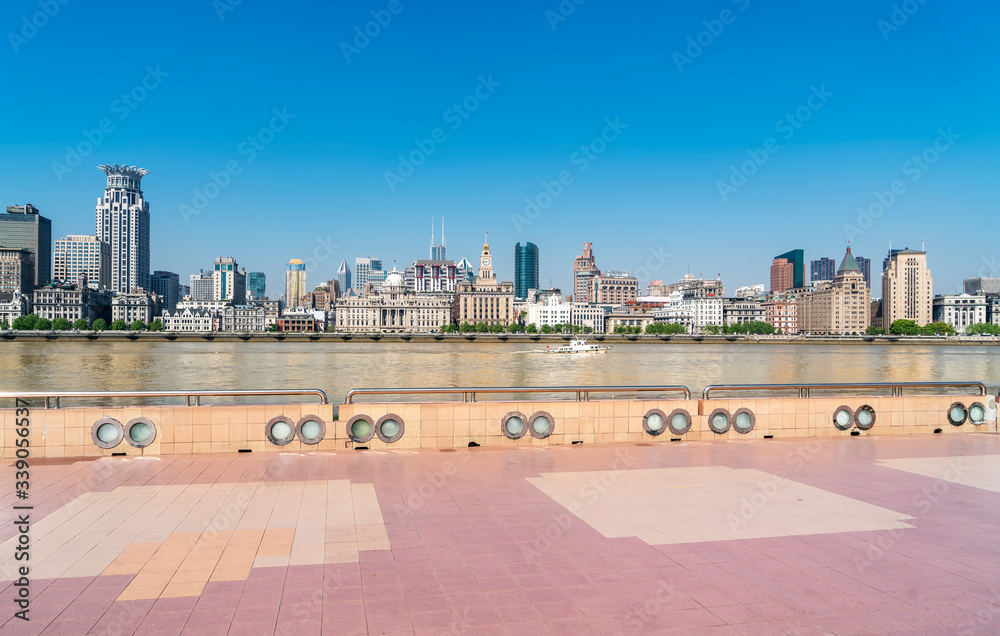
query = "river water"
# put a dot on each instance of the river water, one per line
(338, 367)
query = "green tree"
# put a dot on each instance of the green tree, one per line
(546, 328)
(496, 328)
(904, 328)
(99, 325)
(273, 327)
(137, 325)
(515, 327)
(118, 325)
(874, 331)
(466, 328)
(532, 328)
(4, 325)
(760, 327)
(938, 328)
(986, 328)
(481, 327)
(61, 324)
(156, 325)
(712, 329)
(81, 324)
(43, 324)
(25, 323)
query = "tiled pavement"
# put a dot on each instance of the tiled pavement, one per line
(834, 536)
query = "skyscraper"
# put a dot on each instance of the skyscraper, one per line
(907, 288)
(24, 228)
(438, 252)
(76, 254)
(363, 273)
(167, 285)
(788, 271)
(228, 282)
(123, 222)
(257, 284)
(525, 269)
(866, 268)
(344, 276)
(202, 286)
(295, 283)
(823, 269)
(584, 271)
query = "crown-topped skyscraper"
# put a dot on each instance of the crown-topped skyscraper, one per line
(123, 223)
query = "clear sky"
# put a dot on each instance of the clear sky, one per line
(817, 105)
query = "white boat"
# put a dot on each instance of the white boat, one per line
(577, 345)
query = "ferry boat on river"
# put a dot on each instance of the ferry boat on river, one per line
(578, 345)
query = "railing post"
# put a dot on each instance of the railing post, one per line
(57, 401)
(46, 402)
(197, 400)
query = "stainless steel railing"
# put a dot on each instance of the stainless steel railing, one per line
(55, 396)
(895, 388)
(469, 393)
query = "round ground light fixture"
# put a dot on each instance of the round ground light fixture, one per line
(719, 421)
(107, 432)
(389, 428)
(360, 429)
(140, 432)
(514, 425)
(654, 422)
(864, 417)
(310, 429)
(679, 421)
(977, 413)
(744, 420)
(957, 414)
(279, 430)
(541, 424)
(843, 418)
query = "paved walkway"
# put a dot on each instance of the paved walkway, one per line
(846, 536)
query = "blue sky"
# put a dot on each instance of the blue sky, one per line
(868, 85)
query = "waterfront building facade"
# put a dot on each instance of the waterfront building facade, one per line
(395, 309)
(167, 286)
(75, 254)
(123, 223)
(246, 318)
(782, 315)
(907, 288)
(13, 305)
(485, 300)
(228, 282)
(627, 318)
(553, 311)
(736, 311)
(256, 285)
(137, 305)
(23, 227)
(525, 269)
(189, 319)
(299, 321)
(615, 288)
(72, 302)
(589, 316)
(688, 309)
(295, 283)
(839, 307)
(960, 310)
(584, 272)
(17, 270)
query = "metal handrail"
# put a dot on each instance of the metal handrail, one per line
(187, 395)
(469, 393)
(896, 388)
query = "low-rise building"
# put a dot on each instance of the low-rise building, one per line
(188, 319)
(13, 305)
(589, 316)
(298, 321)
(960, 311)
(783, 315)
(72, 302)
(551, 312)
(694, 312)
(393, 310)
(736, 311)
(628, 319)
(137, 305)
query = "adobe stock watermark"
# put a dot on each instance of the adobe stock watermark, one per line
(580, 160)
(983, 623)
(639, 620)
(705, 38)
(915, 167)
(654, 262)
(900, 15)
(787, 126)
(31, 25)
(562, 12)
(363, 35)
(454, 117)
(222, 7)
(122, 106)
(924, 501)
(248, 150)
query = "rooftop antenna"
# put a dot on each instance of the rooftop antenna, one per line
(921, 245)
(443, 242)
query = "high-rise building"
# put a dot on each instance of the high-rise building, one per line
(24, 228)
(907, 288)
(438, 252)
(788, 271)
(166, 285)
(584, 271)
(123, 222)
(17, 270)
(840, 307)
(866, 268)
(525, 269)
(74, 254)
(433, 276)
(368, 270)
(344, 276)
(295, 283)
(823, 269)
(228, 282)
(202, 286)
(257, 285)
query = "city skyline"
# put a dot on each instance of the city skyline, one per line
(851, 114)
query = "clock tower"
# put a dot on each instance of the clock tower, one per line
(486, 274)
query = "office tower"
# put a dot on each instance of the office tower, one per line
(525, 269)
(907, 288)
(123, 222)
(256, 285)
(344, 276)
(295, 283)
(788, 271)
(202, 286)
(823, 269)
(982, 286)
(24, 228)
(228, 282)
(584, 271)
(17, 270)
(866, 268)
(438, 252)
(74, 254)
(168, 286)
(892, 252)
(363, 268)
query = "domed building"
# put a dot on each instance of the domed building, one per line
(395, 309)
